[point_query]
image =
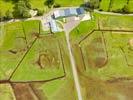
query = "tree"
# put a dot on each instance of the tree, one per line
(125, 9)
(28, 4)
(40, 12)
(9, 15)
(26, 14)
(21, 10)
(94, 4)
(57, 5)
(49, 3)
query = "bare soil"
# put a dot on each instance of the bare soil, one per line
(23, 92)
(95, 50)
(47, 59)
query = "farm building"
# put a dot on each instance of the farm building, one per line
(53, 26)
(68, 12)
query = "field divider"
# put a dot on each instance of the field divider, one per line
(22, 59)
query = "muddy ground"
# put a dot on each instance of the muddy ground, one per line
(24, 92)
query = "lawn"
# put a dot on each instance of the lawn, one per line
(39, 4)
(63, 3)
(69, 3)
(115, 22)
(130, 6)
(43, 62)
(104, 5)
(5, 6)
(117, 4)
(82, 29)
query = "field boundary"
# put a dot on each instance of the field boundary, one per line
(102, 30)
(36, 81)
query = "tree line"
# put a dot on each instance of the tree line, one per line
(22, 7)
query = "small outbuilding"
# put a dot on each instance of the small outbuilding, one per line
(53, 26)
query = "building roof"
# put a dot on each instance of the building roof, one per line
(59, 13)
(73, 11)
(68, 12)
(80, 11)
(53, 26)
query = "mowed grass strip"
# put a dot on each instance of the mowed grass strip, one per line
(43, 62)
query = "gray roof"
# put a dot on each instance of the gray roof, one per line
(80, 11)
(69, 12)
(53, 26)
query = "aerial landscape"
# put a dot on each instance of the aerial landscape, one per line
(66, 49)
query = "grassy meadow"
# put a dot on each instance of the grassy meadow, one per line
(14, 45)
(42, 62)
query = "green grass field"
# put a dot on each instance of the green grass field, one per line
(94, 51)
(42, 62)
(117, 4)
(14, 45)
(39, 4)
(104, 5)
(5, 6)
(69, 3)
(6, 92)
(83, 28)
(91, 49)
(130, 5)
(115, 22)
(116, 65)
(124, 42)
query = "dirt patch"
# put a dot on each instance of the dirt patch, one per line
(23, 92)
(97, 57)
(13, 51)
(100, 62)
(47, 59)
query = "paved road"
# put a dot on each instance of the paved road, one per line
(74, 70)
(67, 29)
